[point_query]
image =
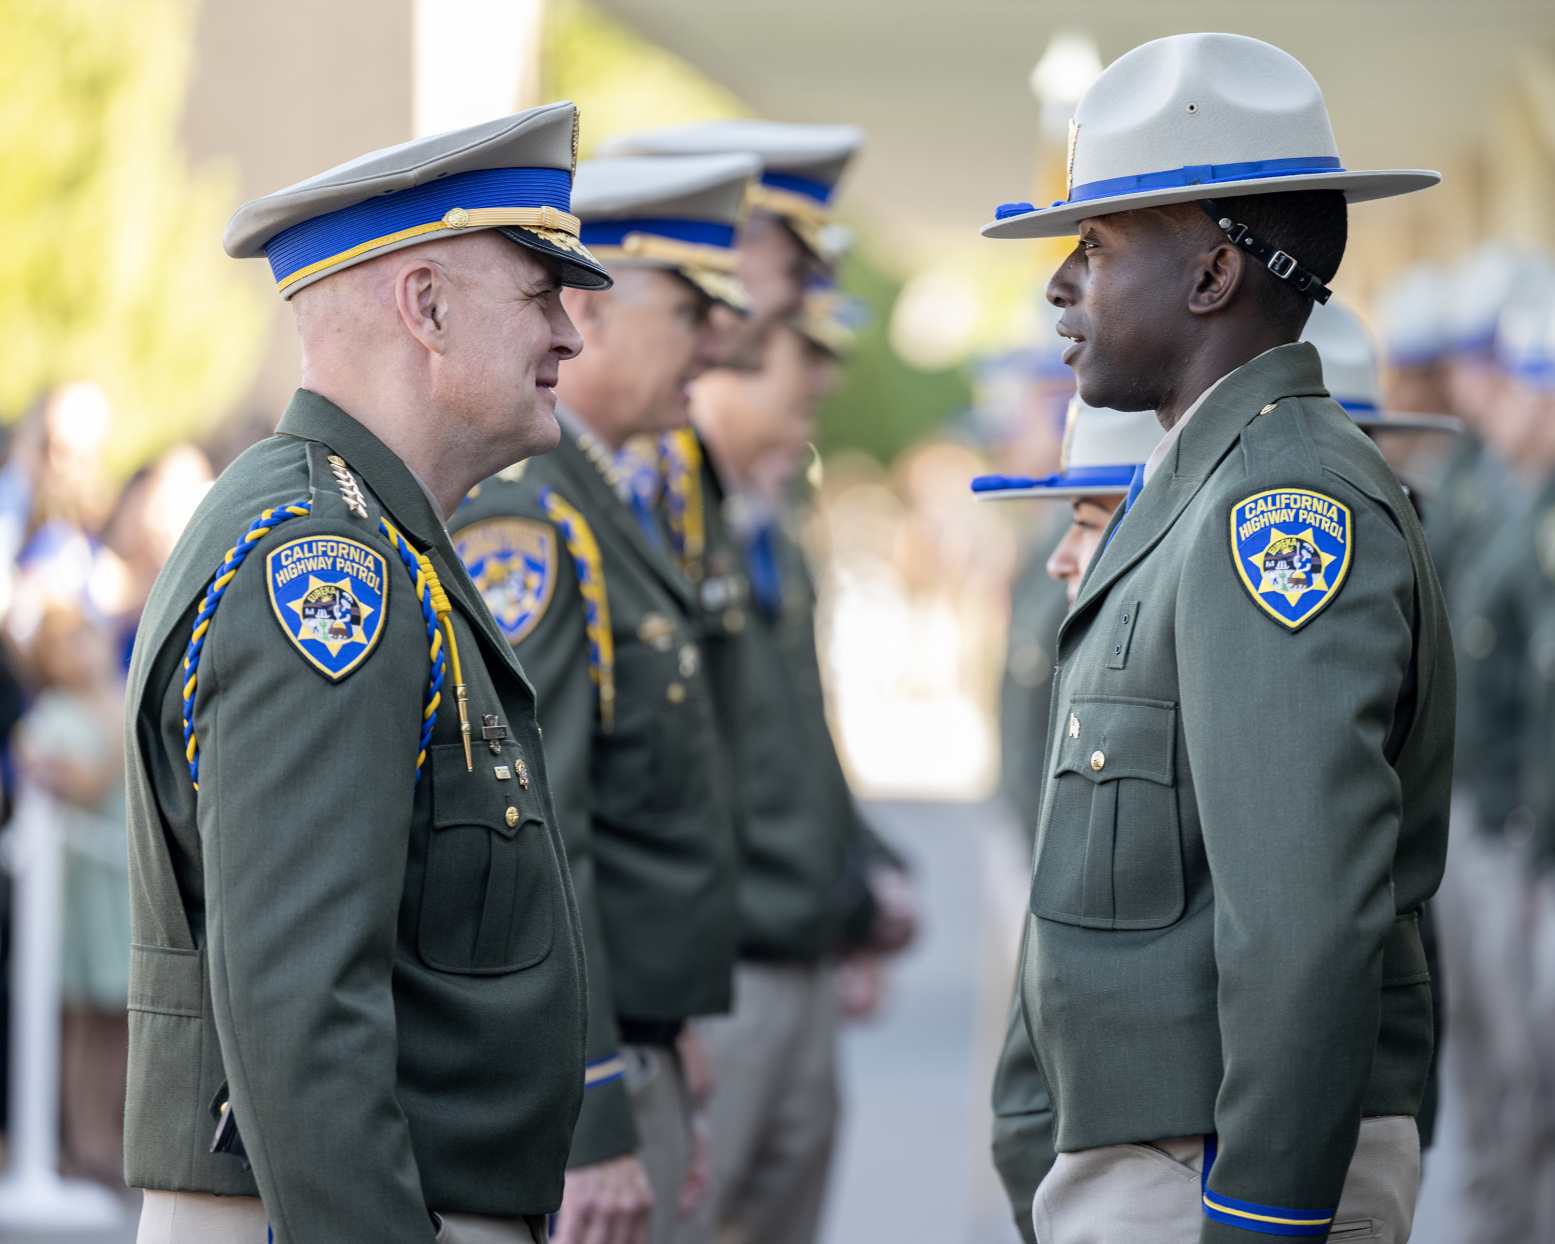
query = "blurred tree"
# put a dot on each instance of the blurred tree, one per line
(619, 80)
(111, 269)
(883, 405)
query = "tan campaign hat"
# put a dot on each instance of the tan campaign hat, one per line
(1198, 116)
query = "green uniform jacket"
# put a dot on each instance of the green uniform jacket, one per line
(1038, 604)
(1502, 600)
(386, 972)
(1241, 819)
(644, 807)
(1022, 1121)
(800, 816)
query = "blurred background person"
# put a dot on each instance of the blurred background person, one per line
(71, 744)
(1102, 452)
(773, 1109)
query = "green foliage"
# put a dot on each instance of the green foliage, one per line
(883, 405)
(619, 80)
(110, 270)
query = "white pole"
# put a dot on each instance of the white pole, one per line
(32, 1195)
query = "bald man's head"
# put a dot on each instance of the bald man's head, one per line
(456, 343)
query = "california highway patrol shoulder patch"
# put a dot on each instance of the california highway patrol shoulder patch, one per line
(330, 596)
(512, 562)
(1291, 548)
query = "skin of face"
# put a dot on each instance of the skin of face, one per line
(1158, 305)
(763, 422)
(449, 352)
(774, 268)
(645, 341)
(1073, 555)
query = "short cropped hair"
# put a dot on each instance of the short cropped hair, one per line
(1311, 225)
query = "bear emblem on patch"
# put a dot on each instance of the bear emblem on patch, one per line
(1292, 550)
(328, 593)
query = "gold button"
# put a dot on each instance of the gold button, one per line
(456, 218)
(675, 692)
(512, 816)
(1097, 760)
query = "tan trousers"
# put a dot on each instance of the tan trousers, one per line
(772, 1118)
(1150, 1194)
(661, 1108)
(198, 1218)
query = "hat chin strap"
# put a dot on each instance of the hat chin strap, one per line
(1277, 261)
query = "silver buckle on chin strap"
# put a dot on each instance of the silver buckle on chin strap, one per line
(1281, 258)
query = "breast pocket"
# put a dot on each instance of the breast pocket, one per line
(488, 901)
(1111, 852)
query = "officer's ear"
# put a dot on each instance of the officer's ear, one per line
(422, 293)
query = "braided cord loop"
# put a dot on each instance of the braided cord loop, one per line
(680, 456)
(586, 558)
(429, 592)
(261, 527)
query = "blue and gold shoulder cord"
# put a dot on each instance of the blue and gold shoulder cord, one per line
(680, 459)
(1250, 1216)
(435, 611)
(584, 548)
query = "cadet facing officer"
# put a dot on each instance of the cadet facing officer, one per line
(1103, 452)
(588, 592)
(1247, 792)
(358, 960)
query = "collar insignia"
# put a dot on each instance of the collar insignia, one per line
(329, 595)
(512, 562)
(1291, 549)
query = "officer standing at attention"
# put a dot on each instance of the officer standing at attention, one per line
(1103, 450)
(1248, 784)
(357, 987)
(773, 1109)
(586, 589)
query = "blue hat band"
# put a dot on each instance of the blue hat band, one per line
(1201, 175)
(820, 191)
(337, 236)
(1118, 477)
(695, 232)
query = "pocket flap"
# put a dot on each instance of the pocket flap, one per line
(166, 980)
(1104, 737)
(477, 796)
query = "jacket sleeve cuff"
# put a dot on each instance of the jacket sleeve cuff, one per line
(1230, 1221)
(605, 1127)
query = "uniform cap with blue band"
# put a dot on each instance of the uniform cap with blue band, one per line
(1525, 337)
(801, 164)
(1102, 452)
(681, 214)
(513, 174)
(1198, 116)
(1487, 280)
(1350, 373)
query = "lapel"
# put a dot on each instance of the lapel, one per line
(1286, 371)
(599, 498)
(314, 418)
